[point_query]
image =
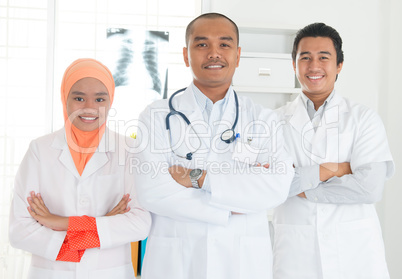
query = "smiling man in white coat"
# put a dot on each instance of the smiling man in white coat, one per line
(210, 165)
(328, 227)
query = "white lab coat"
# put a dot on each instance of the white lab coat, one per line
(193, 234)
(339, 241)
(48, 169)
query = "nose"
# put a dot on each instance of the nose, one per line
(89, 104)
(314, 63)
(214, 52)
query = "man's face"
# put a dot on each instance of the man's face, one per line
(212, 53)
(315, 66)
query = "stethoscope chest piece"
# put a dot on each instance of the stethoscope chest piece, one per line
(228, 136)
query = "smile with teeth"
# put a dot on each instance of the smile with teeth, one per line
(315, 77)
(88, 118)
(214, 66)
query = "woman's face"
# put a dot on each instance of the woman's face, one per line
(88, 104)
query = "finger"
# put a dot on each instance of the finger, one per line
(32, 213)
(33, 196)
(123, 203)
(32, 204)
(36, 206)
(39, 196)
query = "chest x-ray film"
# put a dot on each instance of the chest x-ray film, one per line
(138, 61)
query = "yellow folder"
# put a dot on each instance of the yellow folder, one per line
(134, 256)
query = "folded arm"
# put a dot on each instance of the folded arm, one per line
(82, 232)
(365, 185)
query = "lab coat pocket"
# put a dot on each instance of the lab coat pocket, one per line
(163, 258)
(122, 272)
(255, 257)
(295, 252)
(42, 273)
(361, 250)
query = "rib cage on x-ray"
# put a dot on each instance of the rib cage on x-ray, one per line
(138, 61)
(148, 46)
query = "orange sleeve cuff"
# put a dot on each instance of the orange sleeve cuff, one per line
(81, 234)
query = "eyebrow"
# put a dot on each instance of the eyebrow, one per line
(203, 38)
(320, 52)
(79, 93)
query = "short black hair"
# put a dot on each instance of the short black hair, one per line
(319, 29)
(189, 28)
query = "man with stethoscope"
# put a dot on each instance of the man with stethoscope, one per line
(209, 165)
(328, 228)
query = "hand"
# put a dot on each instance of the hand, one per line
(182, 176)
(329, 170)
(38, 210)
(265, 166)
(302, 195)
(122, 207)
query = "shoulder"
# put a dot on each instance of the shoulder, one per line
(43, 146)
(256, 111)
(154, 108)
(288, 109)
(361, 113)
(48, 139)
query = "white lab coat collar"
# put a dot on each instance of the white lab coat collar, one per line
(299, 116)
(187, 104)
(99, 158)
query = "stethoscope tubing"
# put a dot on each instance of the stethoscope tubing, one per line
(184, 117)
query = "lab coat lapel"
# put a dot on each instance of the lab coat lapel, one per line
(329, 124)
(99, 158)
(187, 104)
(326, 139)
(299, 119)
(65, 157)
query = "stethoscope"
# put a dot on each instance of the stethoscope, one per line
(227, 136)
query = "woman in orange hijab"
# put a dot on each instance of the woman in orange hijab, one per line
(77, 186)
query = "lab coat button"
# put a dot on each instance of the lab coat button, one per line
(83, 201)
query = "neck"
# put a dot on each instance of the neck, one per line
(317, 100)
(213, 93)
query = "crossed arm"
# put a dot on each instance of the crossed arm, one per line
(182, 175)
(38, 210)
(329, 170)
(82, 231)
(326, 171)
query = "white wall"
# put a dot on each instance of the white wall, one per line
(390, 109)
(356, 21)
(371, 31)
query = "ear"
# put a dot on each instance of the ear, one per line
(294, 65)
(238, 56)
(339, 68)
(185, 56)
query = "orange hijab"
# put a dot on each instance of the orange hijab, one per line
(83, 144)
